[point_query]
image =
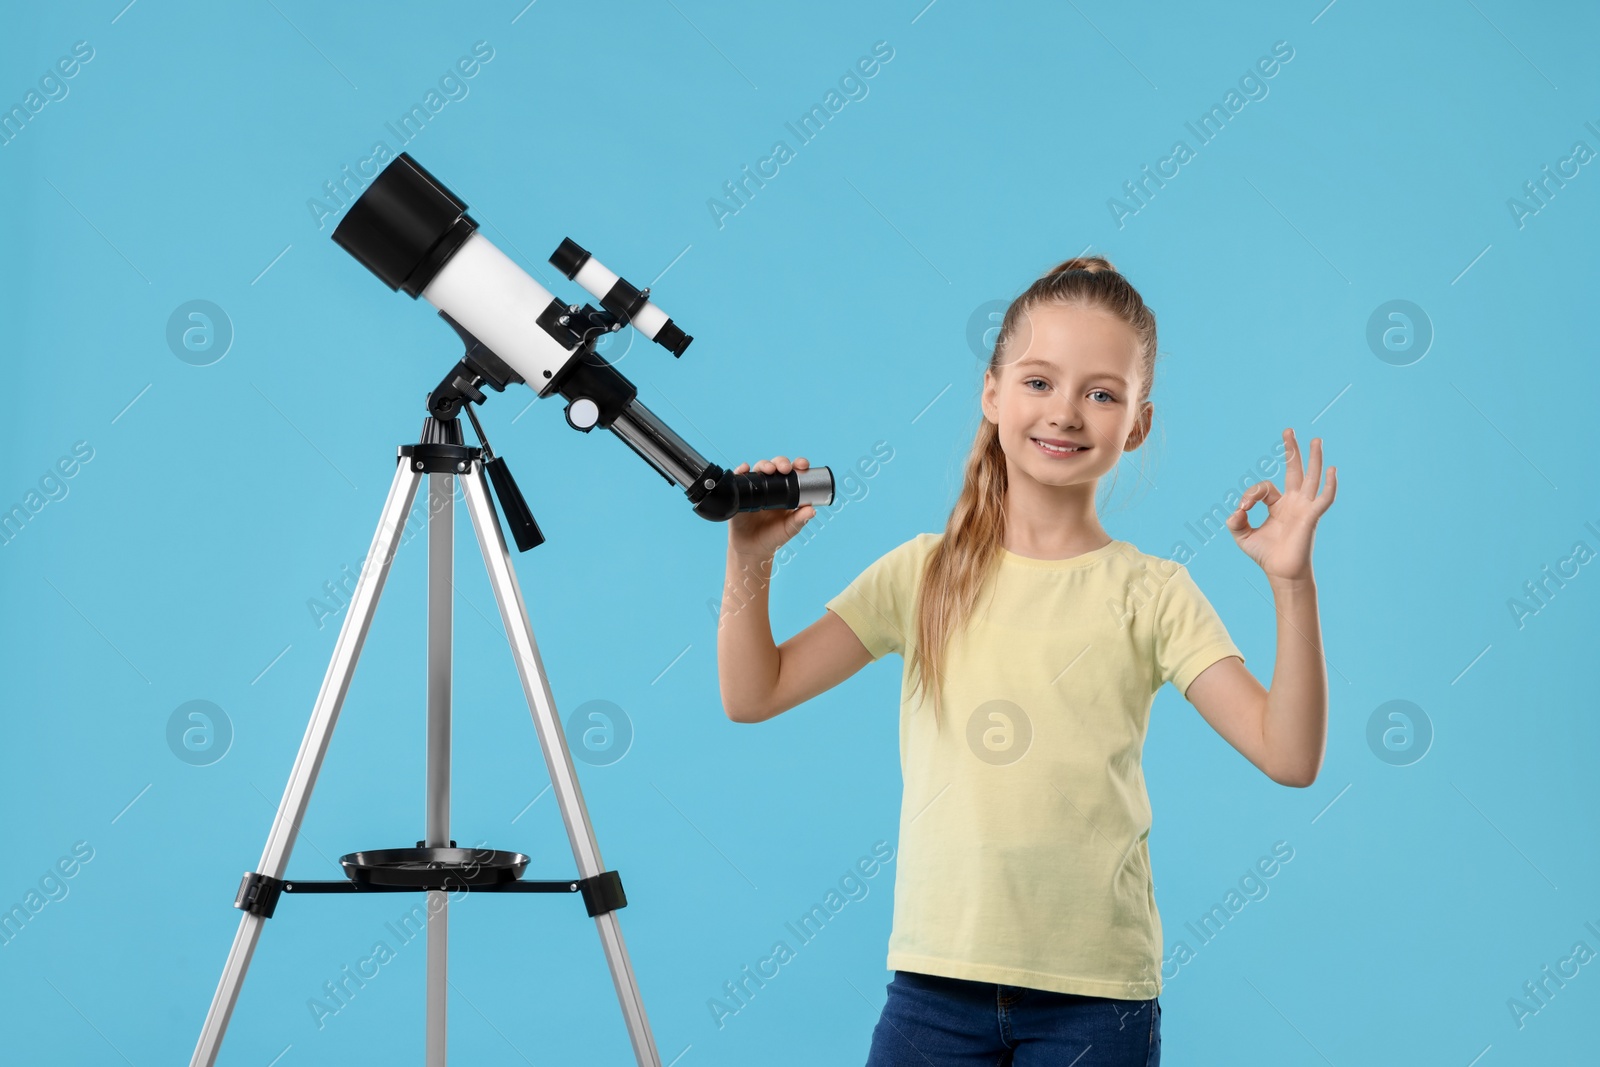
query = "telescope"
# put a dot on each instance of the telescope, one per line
(417, 237)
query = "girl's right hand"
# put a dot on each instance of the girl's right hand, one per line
(759, 534)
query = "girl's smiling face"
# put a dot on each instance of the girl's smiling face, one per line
(1070, 377)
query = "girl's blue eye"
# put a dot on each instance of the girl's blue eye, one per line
(1109, 397)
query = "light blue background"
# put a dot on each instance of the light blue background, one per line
(831, 313)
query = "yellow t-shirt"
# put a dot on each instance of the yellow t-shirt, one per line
(1022, 856)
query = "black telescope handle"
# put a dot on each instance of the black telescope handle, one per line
(524, 530)
(755, 491)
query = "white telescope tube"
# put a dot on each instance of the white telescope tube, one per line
(499, 303)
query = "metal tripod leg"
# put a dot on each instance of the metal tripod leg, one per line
(514, 614)
(335, 684)
(441, 592)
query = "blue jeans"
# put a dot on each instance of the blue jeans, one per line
(933, 1021)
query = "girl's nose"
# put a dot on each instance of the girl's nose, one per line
(1067, 416)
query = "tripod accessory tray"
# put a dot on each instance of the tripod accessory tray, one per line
(412, 869)
(433, 868)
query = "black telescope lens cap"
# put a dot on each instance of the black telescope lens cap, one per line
(569, 257)
(398, 221)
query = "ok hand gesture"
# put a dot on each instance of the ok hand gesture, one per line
(1282, 544)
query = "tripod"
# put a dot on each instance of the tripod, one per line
(435, 866)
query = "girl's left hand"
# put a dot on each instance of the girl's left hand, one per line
(1282, 544)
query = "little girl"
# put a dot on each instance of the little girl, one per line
(1025, 926)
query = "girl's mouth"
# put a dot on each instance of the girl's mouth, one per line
(1058, 453)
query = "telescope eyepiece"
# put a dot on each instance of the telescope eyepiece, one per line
(727, 493)
(672, 338)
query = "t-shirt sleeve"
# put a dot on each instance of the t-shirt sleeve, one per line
(1189, 634)
(877, 605)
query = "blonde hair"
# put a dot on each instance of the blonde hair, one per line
(959, 565)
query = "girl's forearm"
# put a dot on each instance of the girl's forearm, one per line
(1296, 725)
(747, 657)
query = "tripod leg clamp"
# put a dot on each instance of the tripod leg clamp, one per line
(602, 893)
(258, 894)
